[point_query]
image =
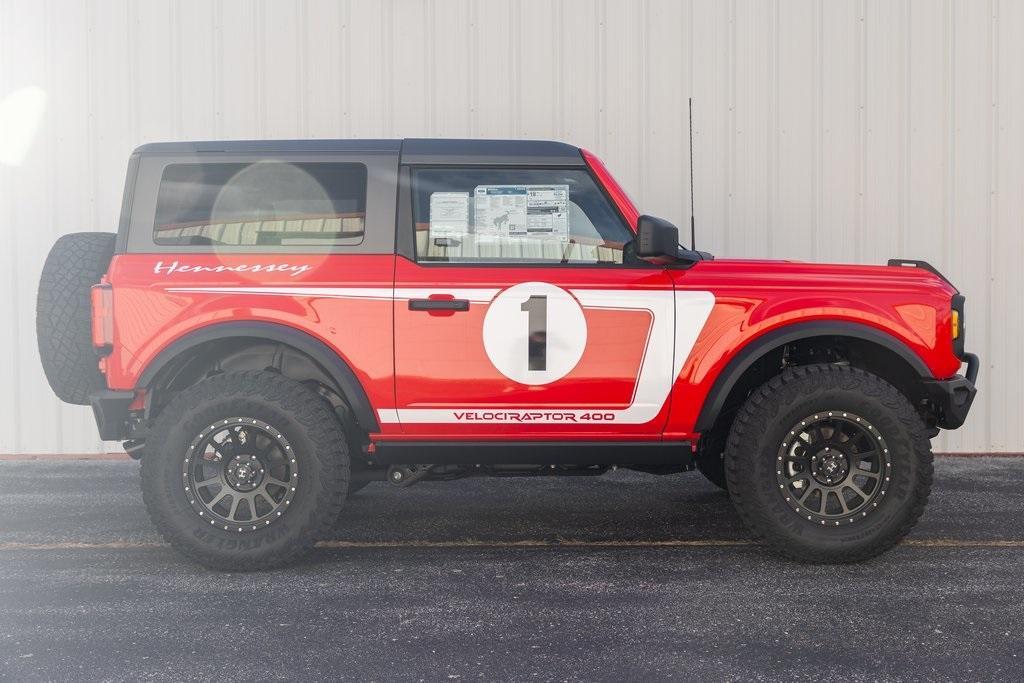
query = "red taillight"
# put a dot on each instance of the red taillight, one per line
(103, 318)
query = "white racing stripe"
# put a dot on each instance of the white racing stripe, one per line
(677, 320)
(475, 295)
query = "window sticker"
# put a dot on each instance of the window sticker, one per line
(522, 211)
(499, 210)
(547, 212)
(449, 215)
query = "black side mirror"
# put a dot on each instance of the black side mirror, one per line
(657, 240)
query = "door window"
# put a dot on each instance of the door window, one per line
(502, 215)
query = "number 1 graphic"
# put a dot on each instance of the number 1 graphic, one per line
(537, 330)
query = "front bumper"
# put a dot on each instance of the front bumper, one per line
(110, 408)
(952, 398)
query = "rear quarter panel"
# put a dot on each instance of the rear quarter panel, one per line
(154, 307)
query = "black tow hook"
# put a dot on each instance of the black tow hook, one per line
(407, 475)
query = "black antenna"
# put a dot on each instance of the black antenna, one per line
(693, 228)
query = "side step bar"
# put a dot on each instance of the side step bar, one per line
(532, 453)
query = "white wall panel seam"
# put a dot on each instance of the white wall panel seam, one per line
(771, 130)
(50, 144)
(817, 135)
(217, 65)
(862, 137)
(16, 291)
(473, 41)
(177, 78)
(905, 122)
(303, 67)
(993, 166)
(687, 84)
(730, 140)
(949, 189)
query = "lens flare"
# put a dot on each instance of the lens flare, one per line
(21, 113)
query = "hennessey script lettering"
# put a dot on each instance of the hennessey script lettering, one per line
(176, 267)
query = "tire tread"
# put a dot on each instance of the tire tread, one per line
(75, 263)
(322, 429)
(753, 421)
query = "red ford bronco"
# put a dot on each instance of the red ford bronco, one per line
(280, 323)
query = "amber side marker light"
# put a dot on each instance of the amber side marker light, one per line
(956, 324)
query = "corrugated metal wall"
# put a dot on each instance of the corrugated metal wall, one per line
(825, 131)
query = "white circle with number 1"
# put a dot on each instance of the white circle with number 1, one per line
(535, 333)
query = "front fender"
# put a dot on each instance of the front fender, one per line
(758, 346)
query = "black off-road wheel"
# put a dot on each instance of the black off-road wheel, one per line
(828, 464)
(245, 471)
(64, 313)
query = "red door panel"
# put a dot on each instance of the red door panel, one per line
(467, 374)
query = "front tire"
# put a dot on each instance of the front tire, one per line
(245, 471)
(828, 463)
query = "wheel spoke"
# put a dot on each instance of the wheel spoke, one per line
(233, 513)
(250, 483)
(807, 492)
(842, 502)
(223, 448)
(856, 489)
(223, 493)
(803, 458)
(276, 482)
(208, 482)
(851, 464)
(235, 435)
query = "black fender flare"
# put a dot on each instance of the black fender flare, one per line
(351, 389)
(759, 346)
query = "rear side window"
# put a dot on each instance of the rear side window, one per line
(515, 215)
(267, 203)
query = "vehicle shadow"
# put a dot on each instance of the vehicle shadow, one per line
(618, 507)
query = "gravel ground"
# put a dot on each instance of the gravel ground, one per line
(621, 577)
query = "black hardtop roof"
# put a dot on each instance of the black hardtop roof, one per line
(412, 150)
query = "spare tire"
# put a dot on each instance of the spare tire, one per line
(64, 313)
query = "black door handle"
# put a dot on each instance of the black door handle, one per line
(438, 304)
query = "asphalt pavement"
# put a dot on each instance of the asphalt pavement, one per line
(621, 577)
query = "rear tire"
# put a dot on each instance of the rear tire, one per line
(64, 313)
(266, 440)
(828, 463)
